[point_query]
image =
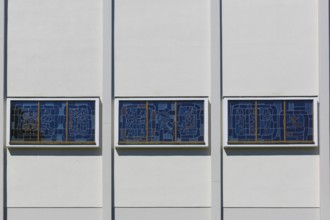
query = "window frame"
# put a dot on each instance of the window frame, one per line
(225, 122)
(44, 145)
(116, 124)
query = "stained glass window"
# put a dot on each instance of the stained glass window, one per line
(270, 122)
(24, 121)
(81, 121)
(132, 122)
(52, 122)
(299, 121)
(190, 121)
(161, 122)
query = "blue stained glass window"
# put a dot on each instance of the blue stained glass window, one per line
(24, 121)
(132, 121)
(52, 122)
(270, 121)
(241, 121)
(299, 120)
(161, 122)
(190, 121)
(81, 121)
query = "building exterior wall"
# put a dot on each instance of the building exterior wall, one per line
(141, 49)
(54, 49)
(270, 49)
(162, 48)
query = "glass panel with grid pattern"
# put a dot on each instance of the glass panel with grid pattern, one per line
(52, 122)
(270, 122)
(161, 122)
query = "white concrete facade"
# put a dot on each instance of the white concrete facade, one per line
(165, 49)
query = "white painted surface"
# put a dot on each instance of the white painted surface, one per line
(163, 213)
(270, 48)
(271, 180)
(55, 48)
(153, 179)
(324, 109)
(2, 112)
(272, 213)
(215, 112)
(54, 213)
(54, 178)
(107, 118)
(162, 48)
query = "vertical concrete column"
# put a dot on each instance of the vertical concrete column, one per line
(106, 131)
(324, 109)
(216, 205)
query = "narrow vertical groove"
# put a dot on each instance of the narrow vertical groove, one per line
(256, 120)
(175, 103)
(67, 122)
(284, 120)
(147, 119)
(38, 123)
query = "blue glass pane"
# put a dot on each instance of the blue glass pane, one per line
(52, 121)
(190, 121)
(24, 121)
(299, 120)
(241, 120)
(270, 120)
(132, 121)
(161, 119)
(81, 121)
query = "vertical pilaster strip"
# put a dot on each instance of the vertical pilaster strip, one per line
(324, 109)
(106, 110)
(3, 96)
(215, 128)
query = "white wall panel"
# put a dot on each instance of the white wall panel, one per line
(54, 178)
(162, 178)
(162, 48)
(270, 48)
(54, 48)
(272, 213)
(163, 213)
(54, 213)
(273, 180)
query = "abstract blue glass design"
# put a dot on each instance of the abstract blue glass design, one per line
(270, 120)
(81, 121)
(161, 121)
(190, 121)
(299, 120)
(24, 121)
(132, 121)
(53, 121)
(241, 121)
